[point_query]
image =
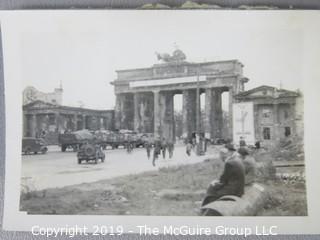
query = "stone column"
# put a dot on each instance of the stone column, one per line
(117, 111)
(137, 120)
(127, 111)
(276, 130)
(33, 124)
(217, 118)
(157, 123)
(25, 128)
(83, 125)
(167, 115)
(46, 122)
(75, 122)
(230, 133)
(185, 113)
(63, 122)
(109, 122)
(293, 112)
(38, 124)
(101, 123)
(104, 122)
(213, 113)
(57, 122)
(143, 112)
(88, 122)
(94, 123)
(146, 112)
(208, 113)
(189, 112)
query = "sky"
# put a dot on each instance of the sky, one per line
(83, 50)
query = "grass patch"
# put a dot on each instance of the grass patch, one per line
(138, 194)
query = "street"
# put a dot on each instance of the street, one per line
(59, 169)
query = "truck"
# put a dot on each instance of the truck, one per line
(108, 138)
(74, 140)
(115, 139)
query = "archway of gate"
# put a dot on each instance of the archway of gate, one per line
(177, 114)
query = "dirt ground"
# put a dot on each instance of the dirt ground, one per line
(137, 194)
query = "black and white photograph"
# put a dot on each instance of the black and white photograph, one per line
(144, 113)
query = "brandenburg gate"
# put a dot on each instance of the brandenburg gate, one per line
(145, 96)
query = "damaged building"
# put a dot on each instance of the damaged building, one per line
(278, 113)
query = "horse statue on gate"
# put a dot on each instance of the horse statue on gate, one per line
(176, 57)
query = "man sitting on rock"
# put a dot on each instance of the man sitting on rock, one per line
(231, 181)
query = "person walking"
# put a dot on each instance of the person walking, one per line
(156, 151)
(170, 145)
(189, 148)
(148, 146)
(164, 148)
(129, 146)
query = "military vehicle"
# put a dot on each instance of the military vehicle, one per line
(34, 145)
(74, 140)
(90, 152)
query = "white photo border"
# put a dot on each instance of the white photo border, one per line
(19, 221)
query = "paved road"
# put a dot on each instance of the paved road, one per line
(58, 169)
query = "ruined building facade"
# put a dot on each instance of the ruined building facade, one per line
(278, 113)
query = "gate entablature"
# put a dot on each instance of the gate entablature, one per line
(185, 73)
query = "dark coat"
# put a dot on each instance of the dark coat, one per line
(233, 177)
(231, 182)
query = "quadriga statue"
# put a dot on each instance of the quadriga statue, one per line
(177, 56)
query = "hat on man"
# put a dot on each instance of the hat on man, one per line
(230, 147)
(243, 152)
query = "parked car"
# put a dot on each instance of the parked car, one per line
(90, 152)
(34, 145)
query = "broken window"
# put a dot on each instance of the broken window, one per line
(266, 133)
(287, 131)
(266, 113)
(52, 119)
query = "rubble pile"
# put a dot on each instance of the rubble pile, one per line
(292, 178)
(291, 149)
(265, 171)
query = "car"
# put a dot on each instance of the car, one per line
(34, 145)
(90, 152)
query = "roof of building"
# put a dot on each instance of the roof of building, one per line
(180, 63)
(265, 91)
(41, 104)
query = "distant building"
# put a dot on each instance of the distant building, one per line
(278, 113)
(31, 94)
(50, 119)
